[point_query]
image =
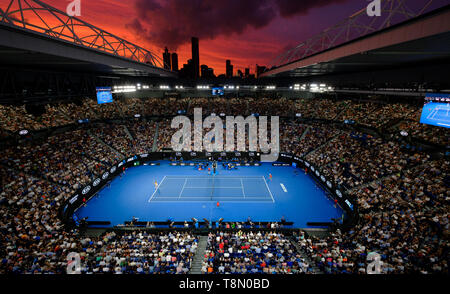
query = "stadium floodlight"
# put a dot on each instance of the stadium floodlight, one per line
(124, 89)
(165, 87)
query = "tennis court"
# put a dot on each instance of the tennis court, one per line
(436, 114)
(213, 188)
(441, 113)
(185, 192)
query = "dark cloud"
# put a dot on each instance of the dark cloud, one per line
(288, 8)
(173, 22)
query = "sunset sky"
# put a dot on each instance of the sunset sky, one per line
(248, 32)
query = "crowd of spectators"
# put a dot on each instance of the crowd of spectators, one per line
(137, 252)
(386, 117)
(404, 219)
(252, 253)
(356, 158)
(403, 212)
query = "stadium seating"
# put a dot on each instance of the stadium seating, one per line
(403, 194)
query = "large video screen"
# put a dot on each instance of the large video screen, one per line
(217, 91)
(104, 95)
(436, 110)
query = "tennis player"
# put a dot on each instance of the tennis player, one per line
(156, 187)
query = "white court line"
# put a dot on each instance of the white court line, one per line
(217, 177)
(208, 197)
(211, 187)
(179, 198)
(435, 111)
(273, 200)
(184, 185)
(221, 201)
(444, 117)
(228, 199)
(432, 114)
(157, 189)
(242, 186)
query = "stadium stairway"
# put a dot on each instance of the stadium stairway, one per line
(197, 262)
(304, 133)
(155, 139)
(120, 110)
(341, 112)
(365, 185)
(64, 114)
(324, 144)
(378, 181)
(127, 131)
(312, 265)
(92, 112)
(19, 171)
(103, 143)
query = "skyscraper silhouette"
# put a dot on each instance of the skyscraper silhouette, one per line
(166, 59)
(195, 58)
(229, 69)
(174, 62)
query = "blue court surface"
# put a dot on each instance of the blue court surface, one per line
(184, 192)
(437, 114)
(214, 188)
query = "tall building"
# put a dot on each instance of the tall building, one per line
(229, 69)
(247, 71)
(174, 62)
(187, 69)
(166, 59)
(195, 57)
(206, 71)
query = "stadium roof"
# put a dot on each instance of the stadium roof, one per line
(34, 34)
(419, 40)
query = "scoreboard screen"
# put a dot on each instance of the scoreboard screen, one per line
(104, 95)
(217, 91)
(436, 110)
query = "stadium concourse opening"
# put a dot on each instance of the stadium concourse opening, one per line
(185, 192)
